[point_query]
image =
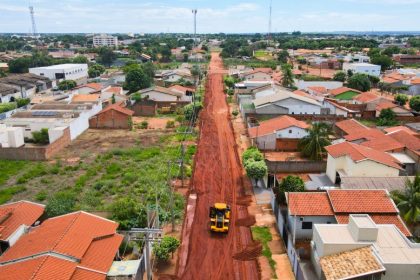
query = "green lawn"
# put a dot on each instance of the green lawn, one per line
(348, 95)
(137, 174)
(263, 235)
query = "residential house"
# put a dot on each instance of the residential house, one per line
(329, 85)
(375, 183)
(280, 133)
(284, 102)
(112, 117)
(4, 66)
(400, 127)
(343, 93)
(250, 87)
(161, 94)
(377, 251)
(398, 110)
(174, 76)
(363, 68)
(62, 54)
(87, 88)
(347, 127)
(22, 86)
(406, 58)
(186, 92)
(15, 219)
(414, 88)
(258, 74)
(74, 246)
(411, 145)
(332, 107)
(317, 91)
(350, 159)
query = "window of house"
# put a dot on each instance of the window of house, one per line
(306, 225)
(290, 131)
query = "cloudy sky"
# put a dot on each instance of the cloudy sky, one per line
(229, 16)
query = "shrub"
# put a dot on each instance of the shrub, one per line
(144, 124)
(170, 124)
(67, 85)
(386, 118)
(340, 76)
(41, 196)
(41, 137)
(401, 99)
(252, 153)
(235, 113)
(192, 109)
(6, 107)
(256, 169)
(22, 102)
(415, 103)
(61, 203)
(128, 213)
(167, 246)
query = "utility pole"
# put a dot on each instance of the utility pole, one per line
(269, 20)
(171, 196)
(182, 164)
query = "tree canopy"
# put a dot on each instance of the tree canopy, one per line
(359, 82)
(313, 145)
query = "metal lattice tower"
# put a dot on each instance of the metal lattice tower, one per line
(269, 20)
(31, 11)
(195, 25)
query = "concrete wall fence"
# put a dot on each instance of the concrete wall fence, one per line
(296, 166)
(37, 153)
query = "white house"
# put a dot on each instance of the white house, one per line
(75, 72)
(281, 133)
(259, 74)
(376, 251)
(301, 84)
(22, 86)
(104, 40)
(284, 102)
(161, 94)
(350, 159)
(363, 68)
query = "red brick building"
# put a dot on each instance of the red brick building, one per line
(113, 116)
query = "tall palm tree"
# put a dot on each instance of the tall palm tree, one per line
(313, 145)
(408, 201)
(288, 77)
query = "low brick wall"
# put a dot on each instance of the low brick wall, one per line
(36, 153)
(296, 166)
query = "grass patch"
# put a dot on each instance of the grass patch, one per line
(8, 193)
(348, 95)
(263, 235)
(10, 168)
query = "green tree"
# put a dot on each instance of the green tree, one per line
(61, 203)
(408, 201)
(229, 81)
(360, 82)
(106, 56)
(384, 61)
(289, 184)
(415, 103)
(80, 59)
(67, 85)
(128, 213)
(401, 99)
(113, 99)
(136, 80)
(313, 145)
(95, 70)
(386, 118)
(283, 56)
(255, 169)
(167, 246)
(41, 137)
(288, 76)
(252, 153)
(192, 110)
(340, 76)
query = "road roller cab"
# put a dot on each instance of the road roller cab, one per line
(219, 217)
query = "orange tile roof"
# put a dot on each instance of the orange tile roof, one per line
(119, 108)
(304, 94)
(390, 80)
(381, 219)
(366, 97)
(408, 140)
(383, 143)
(90, 240)
(385, 105)
(15, 214)
(361, 201)
(341, 90)
(367, 133)
(309, 204)
(351, 126)
(86, 98)
(116, 90)
(94, 86)
(181, 88)
(398, 128)
(278, 123)
(320, 90)
(415, 81)
(359, 153)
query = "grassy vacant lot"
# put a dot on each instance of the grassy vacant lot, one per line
(119, 172)
(263, 235)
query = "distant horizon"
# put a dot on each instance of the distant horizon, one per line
(217, 16)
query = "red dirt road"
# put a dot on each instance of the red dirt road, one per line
(217, 178)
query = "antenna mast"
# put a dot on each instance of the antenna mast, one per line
(194, 11)
(269, 20)
(34, 31)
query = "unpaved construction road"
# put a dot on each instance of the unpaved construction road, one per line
(217, 178)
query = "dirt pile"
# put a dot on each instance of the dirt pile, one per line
(245, 222)
(244, 200)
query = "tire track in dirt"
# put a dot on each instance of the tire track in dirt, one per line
(217, 178)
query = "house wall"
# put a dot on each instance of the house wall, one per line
(78, 73)
(306, 233)
(79, 125)
(334, 110)
(296, 106)
(110, 119)
(401, 271)
(266, 142)
(373, 70)
(332, 165)
(291, 166)
(271, 109)
(158, 96)
(414, 89)
(368, 168)
(293, 132)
